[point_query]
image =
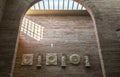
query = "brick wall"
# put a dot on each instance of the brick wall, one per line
(106, 14)
(69, 35)
(2, 4)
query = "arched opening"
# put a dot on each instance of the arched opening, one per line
(71, 44)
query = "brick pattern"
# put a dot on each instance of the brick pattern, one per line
(2, 5)
(105, 12)
(69, 35)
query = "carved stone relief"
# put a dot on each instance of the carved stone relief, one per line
(75, 59)
(51, 59)
(39, 61)
(63, 61)
(87, 63)
(27, 59)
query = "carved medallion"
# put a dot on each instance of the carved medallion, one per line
(75, 59)
(51, 59)
(27, 59)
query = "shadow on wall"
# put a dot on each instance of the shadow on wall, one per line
(32, 29)
(118, 34)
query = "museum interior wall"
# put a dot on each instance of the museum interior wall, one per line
(106, 14)
(61, 35)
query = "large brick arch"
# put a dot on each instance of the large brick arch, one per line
(105, 14)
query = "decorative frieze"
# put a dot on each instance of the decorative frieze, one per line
(52, 60)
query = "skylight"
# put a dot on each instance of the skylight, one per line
(57, 5)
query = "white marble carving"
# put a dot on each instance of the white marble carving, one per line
(51, 59)
(87, 63)
(75, 59)
(27, 59)
(39, 61)
(63, 61)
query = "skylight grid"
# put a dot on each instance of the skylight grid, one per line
(57, 5)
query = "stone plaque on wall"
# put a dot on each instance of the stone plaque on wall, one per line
(27, 59)
(51, 59)
(75, 59)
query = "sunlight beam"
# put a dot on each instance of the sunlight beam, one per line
(32, 29)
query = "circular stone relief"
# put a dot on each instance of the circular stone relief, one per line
(52, 59)
(75, 59)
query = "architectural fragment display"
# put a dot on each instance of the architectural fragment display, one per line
(39, 61)
(63, 61)
(75, 59)
(93, 34)
(51, 59)
(27, 59)
(87, 63)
